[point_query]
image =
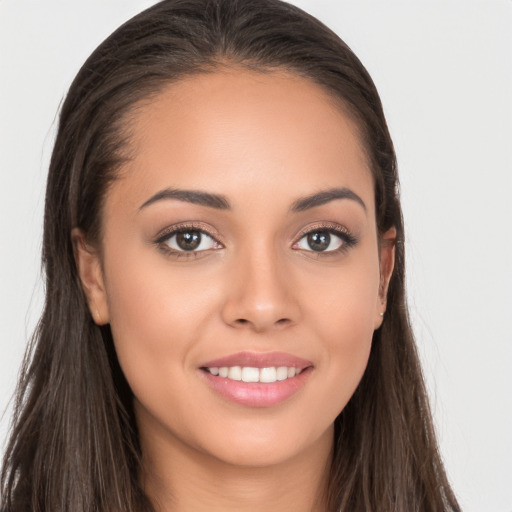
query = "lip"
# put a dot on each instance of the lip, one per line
(259, 360)
(257, 394)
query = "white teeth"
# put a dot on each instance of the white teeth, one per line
(250, 374)
(268, 374)
(282, 373)
(235, 373)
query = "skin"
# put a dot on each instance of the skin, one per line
(262, 141)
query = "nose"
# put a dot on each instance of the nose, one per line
(261, 294)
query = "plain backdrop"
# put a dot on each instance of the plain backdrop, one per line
(444, 72)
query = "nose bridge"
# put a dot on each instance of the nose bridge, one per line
(260, 294)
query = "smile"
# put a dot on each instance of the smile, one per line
(257, 379)
(251, 374)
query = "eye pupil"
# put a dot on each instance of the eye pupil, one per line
(188, 240)
(319, 240)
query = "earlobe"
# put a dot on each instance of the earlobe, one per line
(88, 263)
(387, 264)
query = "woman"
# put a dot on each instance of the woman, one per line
(225, 323)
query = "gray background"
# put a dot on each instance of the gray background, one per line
(444, 71)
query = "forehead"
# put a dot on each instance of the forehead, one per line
(242, 134)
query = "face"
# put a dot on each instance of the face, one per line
(240, 267)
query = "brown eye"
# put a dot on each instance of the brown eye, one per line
(190, 240)
(319, 241)
(325, 240)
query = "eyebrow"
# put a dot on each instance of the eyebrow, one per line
(219, 202)
(189, 196)
(325, 196)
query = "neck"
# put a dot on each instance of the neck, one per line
(183, 479)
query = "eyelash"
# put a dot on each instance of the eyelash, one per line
(348, 240)
(164, 237)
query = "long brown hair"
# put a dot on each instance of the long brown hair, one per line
(74, 443)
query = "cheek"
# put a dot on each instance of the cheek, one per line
(343, 302)
(157, 317)
(343, 316)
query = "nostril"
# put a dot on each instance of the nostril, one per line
(280, 322)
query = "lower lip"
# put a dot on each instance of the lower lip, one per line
(257, 394)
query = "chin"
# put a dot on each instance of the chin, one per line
(267, 445)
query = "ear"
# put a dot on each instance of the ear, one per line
(88, 264)
(387, 263)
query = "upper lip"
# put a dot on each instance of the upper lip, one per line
(258, 360)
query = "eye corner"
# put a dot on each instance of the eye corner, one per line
(200, 241)
(325, 242)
